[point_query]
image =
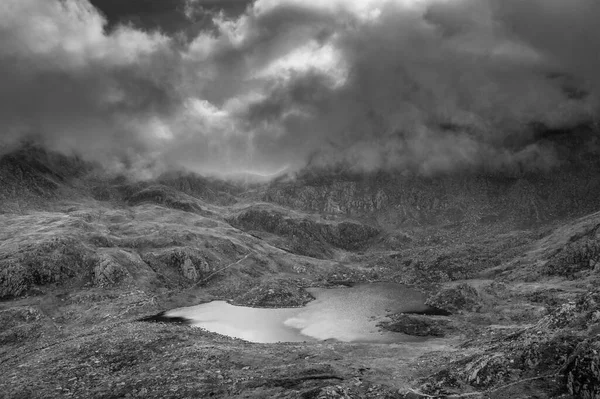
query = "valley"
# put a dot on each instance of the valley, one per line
(509, 261)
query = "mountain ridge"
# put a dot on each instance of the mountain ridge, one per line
(502, 257)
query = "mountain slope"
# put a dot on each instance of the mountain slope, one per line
(517, 198)
(511, 259)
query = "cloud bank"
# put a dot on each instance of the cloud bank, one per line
(412, 85)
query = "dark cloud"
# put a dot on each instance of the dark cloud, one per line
(423, 85)
(410, 72)
(567, 33)
(187, 17)
(72, 87)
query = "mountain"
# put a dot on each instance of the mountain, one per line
(474, 196)
(509, 258)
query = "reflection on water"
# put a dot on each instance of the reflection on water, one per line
(343, 314)
(251, 324)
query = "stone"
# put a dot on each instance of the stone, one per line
(462, 297)
(417, 325)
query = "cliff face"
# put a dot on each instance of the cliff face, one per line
(31, 173)
(444, 200)
(519, 198)
(305, 235)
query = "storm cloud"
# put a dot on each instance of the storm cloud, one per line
(421, 85)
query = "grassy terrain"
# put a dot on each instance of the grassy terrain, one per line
(83, 257)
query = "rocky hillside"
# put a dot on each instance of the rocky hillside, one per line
(31, 174)
(65, 224)
(517, 198)
(509, 262)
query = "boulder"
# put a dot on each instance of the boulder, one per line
(275, 294)
(108, 272)
(583, 371)
(417, 325)
(15, 279)
(462, 297)
(186, 265)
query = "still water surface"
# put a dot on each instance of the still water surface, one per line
(343, 314)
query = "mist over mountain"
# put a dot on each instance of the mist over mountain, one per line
(88, 256)
(162, 154)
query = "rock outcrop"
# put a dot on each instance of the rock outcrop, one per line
(564, 346)
(275, 294)
(418, 325)
(181, 265)
(580, 255)
(470, 198)
(583, 370)
(53, 261)
(305, 235)
(462, 297)
(162, 195)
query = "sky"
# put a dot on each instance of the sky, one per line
(227, 87)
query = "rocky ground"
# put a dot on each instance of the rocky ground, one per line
(512, 281)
